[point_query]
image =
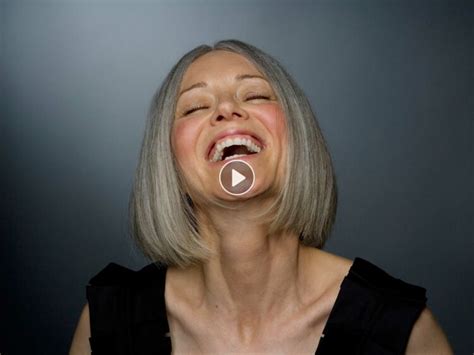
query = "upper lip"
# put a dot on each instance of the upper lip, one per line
(232, 132)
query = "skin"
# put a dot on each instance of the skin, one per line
(228, 296)
(227, 102)
(259, 293)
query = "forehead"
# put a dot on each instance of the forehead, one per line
(217, 64)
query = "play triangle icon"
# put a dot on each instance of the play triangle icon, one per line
(237, 177)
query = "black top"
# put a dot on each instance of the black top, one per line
(373, 313)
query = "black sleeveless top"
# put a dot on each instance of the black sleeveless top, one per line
(373, 313)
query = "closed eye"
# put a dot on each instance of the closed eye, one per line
(194, 109)
(257, 97)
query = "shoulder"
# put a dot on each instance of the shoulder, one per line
(329, 269)
(116, 288)
(322, 276)
(80, 341)
(329, 263)
(100, 289)
(427, 337)
(117, 275)
(370, 275)
(122, 301)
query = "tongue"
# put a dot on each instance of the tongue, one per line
(234, 149)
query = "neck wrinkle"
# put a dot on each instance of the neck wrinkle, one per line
(252, 274)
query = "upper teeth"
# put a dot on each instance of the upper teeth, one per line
(234, 141)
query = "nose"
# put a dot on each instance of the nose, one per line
(228, 109)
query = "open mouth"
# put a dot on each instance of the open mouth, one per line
(234, 147)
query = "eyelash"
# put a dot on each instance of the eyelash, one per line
(257, 97)
(194, 109)
(191, 110)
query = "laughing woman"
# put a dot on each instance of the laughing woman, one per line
(234, 198)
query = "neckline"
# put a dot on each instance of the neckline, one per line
(331, 312)
(167, 334)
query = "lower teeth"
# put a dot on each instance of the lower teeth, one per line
(235, 156)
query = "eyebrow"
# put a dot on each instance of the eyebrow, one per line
(239, 77)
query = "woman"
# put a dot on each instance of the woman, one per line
(243, 272)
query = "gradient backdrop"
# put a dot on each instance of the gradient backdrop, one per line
(389, 81)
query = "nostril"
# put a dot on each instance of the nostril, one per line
(221, 117)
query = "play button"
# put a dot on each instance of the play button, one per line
(236, 177)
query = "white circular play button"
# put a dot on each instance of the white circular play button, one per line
(236, 177)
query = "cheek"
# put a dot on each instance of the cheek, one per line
(280, 125)
(274, 119)
(184, 134)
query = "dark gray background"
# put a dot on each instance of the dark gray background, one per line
(389, 80)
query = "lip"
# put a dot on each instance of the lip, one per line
(233, 132)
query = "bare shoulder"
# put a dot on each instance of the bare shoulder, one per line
(427, 337)
(339, 264)
(335, 267)
(183, 289)
(80, 342)
(325, 271)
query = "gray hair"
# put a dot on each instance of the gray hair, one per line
(162, 216)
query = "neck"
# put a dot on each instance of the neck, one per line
(252, 274)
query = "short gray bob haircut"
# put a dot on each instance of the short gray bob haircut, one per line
(162, 218)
